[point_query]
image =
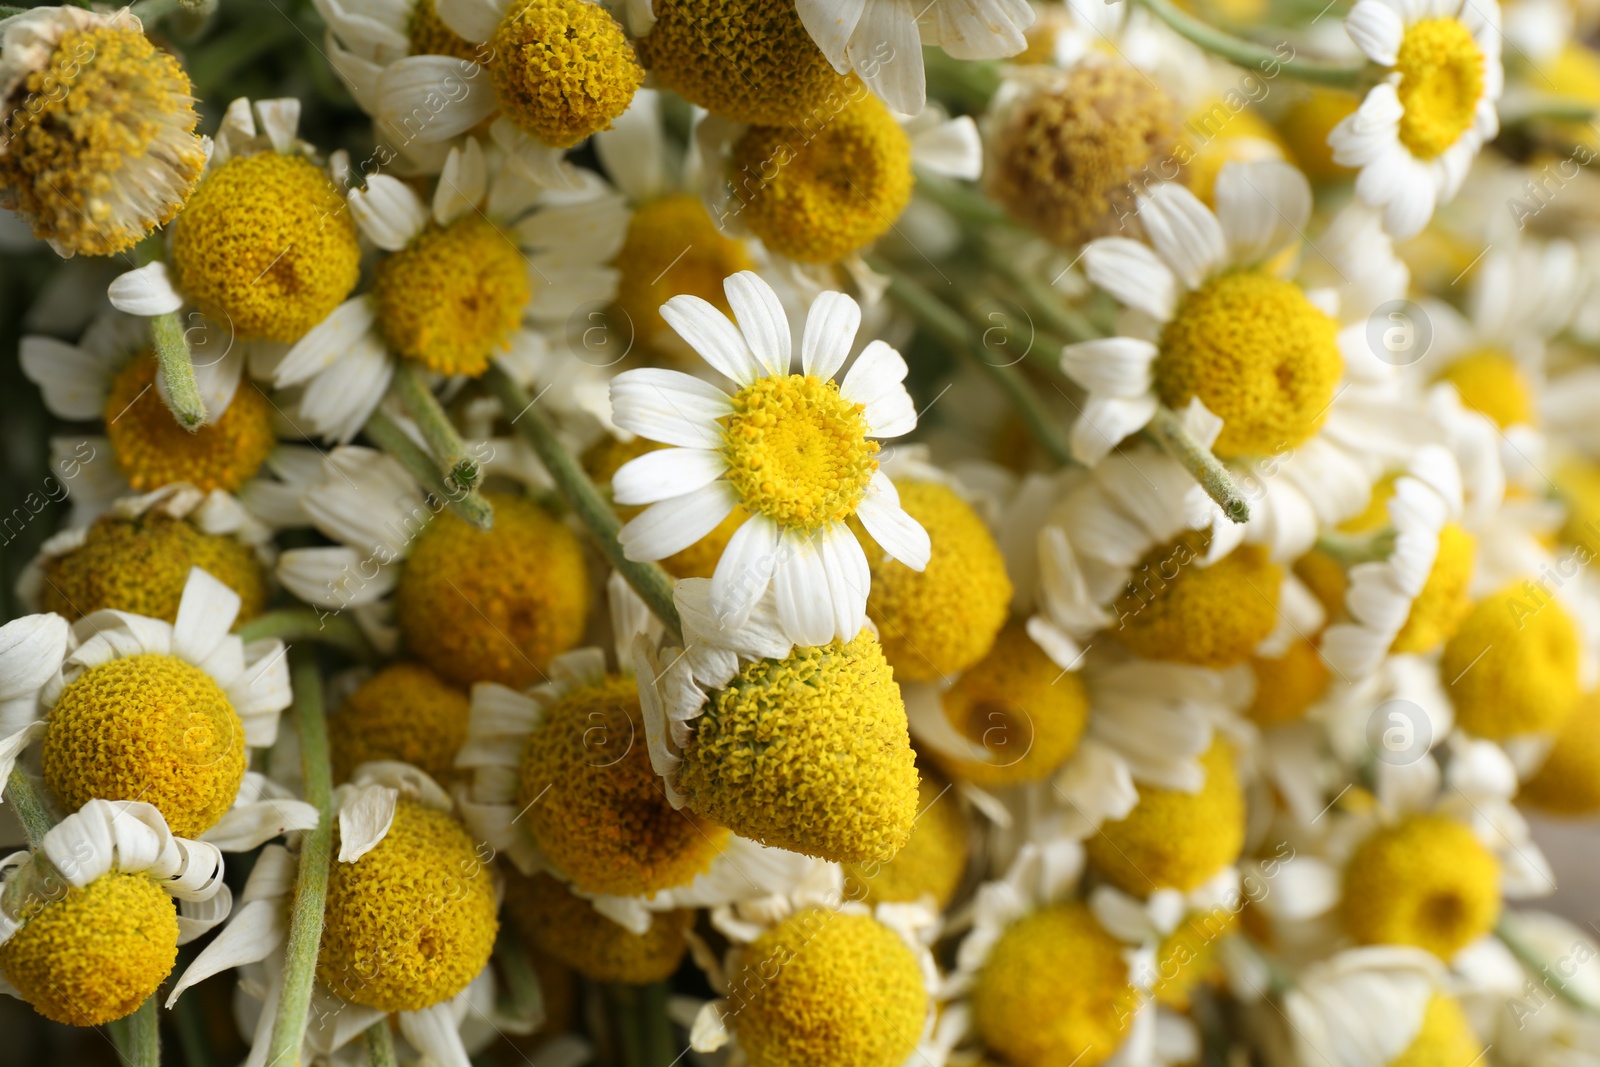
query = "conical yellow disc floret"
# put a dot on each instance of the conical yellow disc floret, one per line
(150, 728)
(931, 863)
(452, 298)
(404, 712)
(833, 193)
(1025, 712)
(93, 954)
(1445, 1040)
(99, 145)
(1176, 609)
(562, 69)
(1568, 782)
(594, 805)
(1512, 667)
(1442, 75)
(1054, 990)
(568, 929)
(412, 922)
(700, 559)
(429, 36)
(1288, 685)
(1437, 612)
(152, 450)
(823, 987)
(937, 622)
(1175, 840)
(808, 753)
(750, 61)
(493, 605)
(1426, 881)
(141, 565)
(672, 247)
(267, 246)
(1491, 383)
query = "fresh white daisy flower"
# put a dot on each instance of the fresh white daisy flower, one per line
(796, 451)
(1417, 132)
(1362, 1007)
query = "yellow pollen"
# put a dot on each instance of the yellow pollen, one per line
(1188, 955)
(411, 923)
(1306, 125)
(1445, 1040)
(1174, 608)
(152, 450)
(1437, 612)
(672, 247)
(1426, 881)
(1258, 354)
(568, 930)
(151, 728)
(1288, 685)
(99, 145)
(823, 987)
(818, 197)
(94, 954)
(798, 452)
(750, 61)
(595, 807)
(562, 69)
(429, 36)
(452, 298)
(142, 564)
(1490, 382)
(931, 863)
(1064, 160)
(1441, 82)
(267, 246)
(404, 712)
(1175, 840)
(1036, 1012)
(938, 622)
(700, 559)
(808, 753)
(1568, 782)
(493, 605)
(1512, 666)
(1025, 712)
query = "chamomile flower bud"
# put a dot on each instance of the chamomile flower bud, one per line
(404, 712)
(1512, 667)
(1425, 881)
(1176, 608)
(562, 69)
(931, 863)
(568, 929)
(1568, 781)
(99, 146)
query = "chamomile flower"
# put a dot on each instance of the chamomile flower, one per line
(796, 451)
(1565, 781)
(570, 930)
(1370, 1007)
(1416, 132)
(403, 713)
(931, 865)
(89, 930)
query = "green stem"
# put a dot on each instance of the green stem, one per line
(29, 806)
(177, 371)
(963, 200)
(380, 1044)
(656, 1027)
(438, 431)
(6, 11)
(138, 1036)
(1167, 430)
(1054, 314)
(1357, 548)
(309, 624)
(192, 1038)
(1248, 53)
(652, 583)
(311, 878)
(151, 12)
(387, 435)
(1530, 959)
(956, 332)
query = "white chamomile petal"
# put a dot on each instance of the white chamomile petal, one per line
(388, 213)
(1133, 273)
(717, 340)
(673, 525)
(761, 319)
(669, 406)
(875, 382)
(146, 291)
(830, 332)
(665, 473)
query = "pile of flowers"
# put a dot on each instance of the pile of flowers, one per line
(798, 532)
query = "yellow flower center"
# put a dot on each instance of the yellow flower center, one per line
(568, 930)
(1578, 482)
(824, 987)
(93, 954)
(562, 69)
(930, 864)
(411, 923)
(1188, 956)
(750, 61)
(938, 622)
(1306, 125)
(1426, 881)
(493, 605)
(798, 451)
(1229, 134)
(594, 805)
(151, 728)
(1175, 840)
(404, 712)
(141, 565)
(672, 247)
(1258, 354)
(1446, 1037)
(808, 753)
(817, 198)
(452, 298)
(1490, 382)
(1174, 608)
(1512, 667)
(1036, 1012)
(1568, 782)
(700, 559)
(429, 36)
(1025, 712)
(152, 450)
(1443, 603)
(267, 246)
(1441, 82)
(1288, 685)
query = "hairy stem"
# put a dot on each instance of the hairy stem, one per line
(460, 470)
(1167, 430)
(308, 624)
(29, 806)
(387, 435)
(182, 392)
